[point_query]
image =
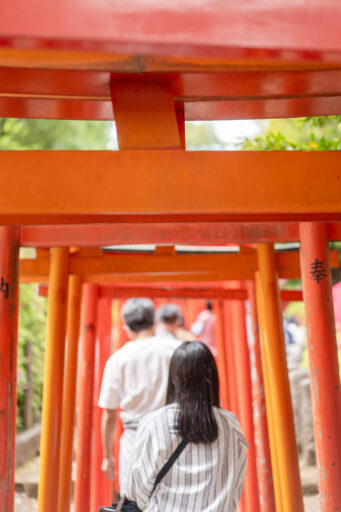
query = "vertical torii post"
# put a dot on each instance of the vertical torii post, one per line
(265, 482)
(323, 361)
(268, 397)
(101, 486)
(221, 354)
(230, 358)
(86, 399)
(53, 381)
(289, 497)
(244, 393)
(9, 271)
(69, 392)
(122, 338)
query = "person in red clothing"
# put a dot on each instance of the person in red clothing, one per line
(204, 328)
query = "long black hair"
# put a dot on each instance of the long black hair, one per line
(194, 385)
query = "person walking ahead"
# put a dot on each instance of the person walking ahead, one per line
(209, 474)
(134, 380)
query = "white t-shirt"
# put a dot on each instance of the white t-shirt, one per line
(135, 377)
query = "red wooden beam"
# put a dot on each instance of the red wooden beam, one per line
(200, 233)
(93, 85)
(124, 292)
(76, 109)
(233, 185)
(117, 292)
(111, 268)
(219, 29)
(75, 94)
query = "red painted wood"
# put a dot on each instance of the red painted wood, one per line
(200, 233)
(77, 109)
(93, 85)
(67, 219)
(9, 272)
(69, 392)
(75, 94)
(218, 308)
(86, 400)
(101, 486)
(122, 338)
(229, 353)
(172, 293)
(297, 29)
(272, 108)
(273, 185)
(323, 361)
(244, 394)
(263, 457)
(189, 293)
(176, 290)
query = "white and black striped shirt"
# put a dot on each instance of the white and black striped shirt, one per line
(206, 477)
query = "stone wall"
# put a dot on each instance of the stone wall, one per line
(27, 445)
(301, 401)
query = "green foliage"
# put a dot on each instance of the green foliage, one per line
(304, 134)
(51, 134)
(36, 134)
(201, 136)
(32, 328)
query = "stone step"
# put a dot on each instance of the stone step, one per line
(27, 478)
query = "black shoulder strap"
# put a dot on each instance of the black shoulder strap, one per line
(169, 463)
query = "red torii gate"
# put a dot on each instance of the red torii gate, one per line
(159, 59)
(196, 233)
(164, 256)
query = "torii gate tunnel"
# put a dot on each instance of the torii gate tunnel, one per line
(150, 66)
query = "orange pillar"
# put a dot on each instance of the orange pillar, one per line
(9, 256)
(323, 361)
(86, 399)
(263, 458)
(69, 392)
(221, 353)
(101, 486)
(277, 391)
(244, 392)
(122, 339)
(230, 359)
(268, 398)
(53, 381)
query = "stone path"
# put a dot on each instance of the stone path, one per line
(27, 486)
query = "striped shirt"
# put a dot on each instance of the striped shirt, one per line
(206, 477)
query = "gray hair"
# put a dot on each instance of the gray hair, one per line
(138, 314)
(168, 313)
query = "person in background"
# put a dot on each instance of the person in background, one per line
(204, 327)
(134, 380)
(168, 318)
(182, 333)
(208, 475)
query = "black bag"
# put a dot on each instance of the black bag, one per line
(125, 505)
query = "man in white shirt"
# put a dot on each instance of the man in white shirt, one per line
(135, 379)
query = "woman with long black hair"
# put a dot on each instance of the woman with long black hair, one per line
(209, 473)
